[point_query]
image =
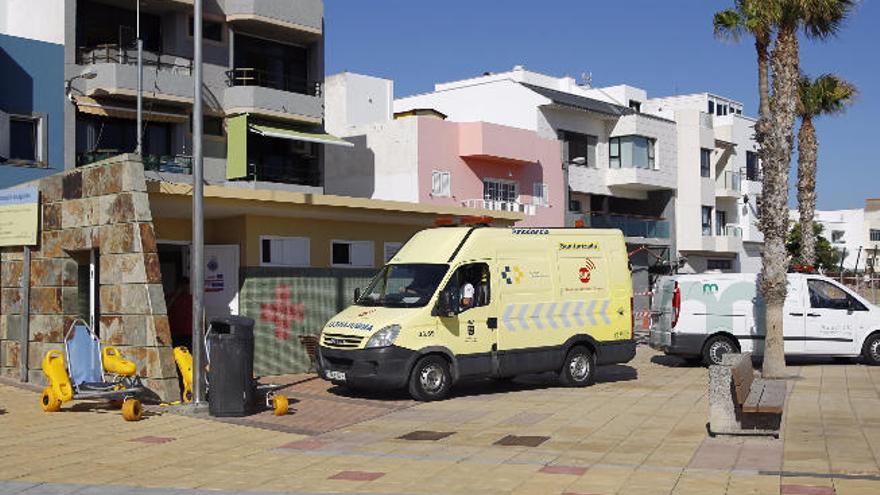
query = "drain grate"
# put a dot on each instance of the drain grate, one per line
(152, 439)
(522, 441)
(425, 435)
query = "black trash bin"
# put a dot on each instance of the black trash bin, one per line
(231, 359)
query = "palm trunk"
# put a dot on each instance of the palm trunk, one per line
(774, 218)
(763, 76)
(806, 188)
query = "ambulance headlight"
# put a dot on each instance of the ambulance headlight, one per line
(384, 337)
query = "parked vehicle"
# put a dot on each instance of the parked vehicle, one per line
(459, 302)
(702, 317)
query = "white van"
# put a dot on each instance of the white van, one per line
(704, 316)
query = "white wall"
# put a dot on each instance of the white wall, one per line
(852, 223)
(17, 19)
(354, 99)
(501, 101)
(382, 165)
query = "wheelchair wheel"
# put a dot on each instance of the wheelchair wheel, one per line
(49, 401)
(132, 410)
(279, 405)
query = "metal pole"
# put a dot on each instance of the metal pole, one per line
(198, 241)
(140, 83)
(25, 312)
(856, 267)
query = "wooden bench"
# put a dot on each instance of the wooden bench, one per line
(740, 403)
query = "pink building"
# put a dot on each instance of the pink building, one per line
(419, 156)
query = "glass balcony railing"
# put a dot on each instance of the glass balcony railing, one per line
(127, 55)
(177, 164)
(731, 181)
(630, 225)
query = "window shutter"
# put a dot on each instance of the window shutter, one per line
(445, 186)
(362, 253)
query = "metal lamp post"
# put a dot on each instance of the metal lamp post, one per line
(140, 82)
(198, 241)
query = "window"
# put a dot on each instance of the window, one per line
(720, 221)
(24, 139)
(759, 200)
(211, 30)
(285, 251)
(875, 234)
(441, 183)
(707, 220)
(719, 264)
(711, 107)
(390, 249)
(837, 236)
(825, 295)
(752, 170)
(636, 106)
(500, 190)
(580, 147)
(632, 152)
(574, 205)
(211, 126)
(353, 254)
(408, 285)
(469, 287)
(705, 162)
(540, 194)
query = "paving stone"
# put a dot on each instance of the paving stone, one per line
(425, 435)
(522, 441)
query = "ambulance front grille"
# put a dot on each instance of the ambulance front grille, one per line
(341, 341)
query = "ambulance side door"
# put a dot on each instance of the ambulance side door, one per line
(468, 329)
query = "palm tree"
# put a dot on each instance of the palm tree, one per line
(754, 17)
(819, 19)
(827, 94)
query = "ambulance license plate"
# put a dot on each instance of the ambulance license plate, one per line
(335, 375)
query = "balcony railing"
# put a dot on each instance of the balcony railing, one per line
(245, 76)
(753, 174)
(491, 204)
(731, 181)
(120, 54)
(727, 231)
(303, 172)
(178, 164)
(631, 226)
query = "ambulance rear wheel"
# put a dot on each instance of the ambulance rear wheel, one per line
(579, 368)
(716, 347)
(430, 379)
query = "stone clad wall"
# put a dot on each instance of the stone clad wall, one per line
(101, 206)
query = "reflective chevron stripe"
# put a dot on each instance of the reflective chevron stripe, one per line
(526, 316)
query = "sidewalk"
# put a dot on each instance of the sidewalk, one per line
(640, 430)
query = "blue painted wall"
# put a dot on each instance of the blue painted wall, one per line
(32, 80)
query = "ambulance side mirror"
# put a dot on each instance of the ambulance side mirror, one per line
(357, 294)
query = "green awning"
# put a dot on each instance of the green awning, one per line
(236, 147)
(298, 135)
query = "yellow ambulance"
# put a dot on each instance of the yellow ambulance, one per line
(461, 302)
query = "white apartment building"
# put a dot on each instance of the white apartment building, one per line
(845, 230)
(620, 164)
(871, 231)
(718, 190)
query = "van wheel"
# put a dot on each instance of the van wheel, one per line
(430, 379)
(716, 347)
(871, 350)
(579, 368)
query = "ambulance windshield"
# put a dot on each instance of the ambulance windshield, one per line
(403, 286)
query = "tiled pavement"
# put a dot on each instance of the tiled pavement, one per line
(640, 430)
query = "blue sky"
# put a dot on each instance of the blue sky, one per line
(665, 47)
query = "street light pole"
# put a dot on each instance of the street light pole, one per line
(140, 83)
(198, 241)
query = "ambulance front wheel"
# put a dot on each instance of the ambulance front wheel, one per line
(430, 379)
(579, 368)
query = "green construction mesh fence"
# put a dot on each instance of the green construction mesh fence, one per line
(287, 303)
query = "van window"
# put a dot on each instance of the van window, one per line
(469, 286)
(824, 295)
(403, 285)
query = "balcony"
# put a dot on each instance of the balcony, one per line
(728, 241)
(706, 120)
(641, 179)
(176, 164)
(493, 205)
(497, 143)
(630, 225)
(257, 92)
(305, 16)
(729, 185)
(167, 78)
